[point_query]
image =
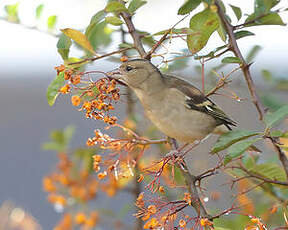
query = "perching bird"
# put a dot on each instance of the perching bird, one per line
(176, 107)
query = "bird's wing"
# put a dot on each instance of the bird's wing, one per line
(196, 100)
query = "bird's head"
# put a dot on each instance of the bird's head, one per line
(134, 73)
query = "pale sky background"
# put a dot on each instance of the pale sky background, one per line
(34, 52)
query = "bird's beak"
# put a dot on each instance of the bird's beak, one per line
(116, 75)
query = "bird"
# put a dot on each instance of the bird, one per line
(176, 107)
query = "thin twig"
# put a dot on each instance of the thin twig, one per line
(162, 39)
(260, 177)
(102, 56)
(221, 83)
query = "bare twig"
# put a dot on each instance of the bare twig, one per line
(102, 56)
(221, 83)
(260, 177)
(162, 39)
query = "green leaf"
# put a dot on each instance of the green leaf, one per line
(264, 6)
(12, 12)
(51, 22)
(231, 60)
(135, 5)
(99, 34)
(229, 138)
(237, 11)
(188, 6)
(222, 32)
(99, 16)
(270, 19)
(272, 119)
(271, 171)
(276, 133)
(266, 75)
(79, 38)
(59, 139)
(63, 46)
(115, 7)
(271, 101)
(253, 52)
(203, 24)
(242, 34)
(39, 10)
(113, 20)
(239, 148)
(53, 88)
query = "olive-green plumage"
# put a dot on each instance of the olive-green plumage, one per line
(176, 107)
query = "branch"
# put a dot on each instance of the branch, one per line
(260, 177)
(244, 66)
(192, 189)
(103, 56)
(252, 21)
(134, 34)
(162, 39)
(221, 83)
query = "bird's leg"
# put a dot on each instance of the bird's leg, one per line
(175, 154)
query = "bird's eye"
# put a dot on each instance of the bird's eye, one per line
(128, 68)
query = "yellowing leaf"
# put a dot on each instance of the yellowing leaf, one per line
(203, 25)
(79, 38)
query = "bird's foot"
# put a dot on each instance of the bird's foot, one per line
(176, 157)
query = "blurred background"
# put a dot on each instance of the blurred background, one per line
(27, 60)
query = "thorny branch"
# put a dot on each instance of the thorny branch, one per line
(134, 34)
(244, 66)
(246, 71)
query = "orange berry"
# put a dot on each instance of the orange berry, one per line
(255, 220)
(146, 217)
(151, 224)
(68, 74)
(101, 176)
(76, 79)
(152, 209)
(141, 178)
(205, 222)
(161, 189)
(76, 100)
(187, 198)
(124, 58)
(87, 105)
(90, 142)
(273, 209)
(182, 223)
(48, 185)
(65, 89)
(90, 223)
(80, 218)
(97, 158)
